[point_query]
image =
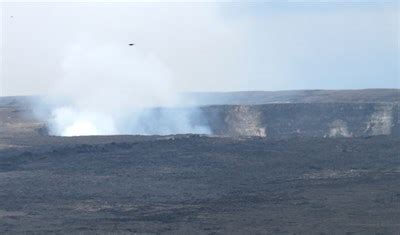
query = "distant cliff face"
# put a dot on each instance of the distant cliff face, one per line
(269, 120)
(311, 120)
(295, 114)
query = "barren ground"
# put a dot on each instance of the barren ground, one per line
(292, 180)
(189, 183)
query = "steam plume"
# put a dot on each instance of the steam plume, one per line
(110, 88)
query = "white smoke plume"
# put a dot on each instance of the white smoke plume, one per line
(110, 88)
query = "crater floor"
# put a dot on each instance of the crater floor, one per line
(196, 184)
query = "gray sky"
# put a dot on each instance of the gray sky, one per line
(212, 46)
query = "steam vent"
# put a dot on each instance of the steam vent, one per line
(271, 115)
(200, 117)
(291, 162)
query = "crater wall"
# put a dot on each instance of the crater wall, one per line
(310, 120)
(265, 114)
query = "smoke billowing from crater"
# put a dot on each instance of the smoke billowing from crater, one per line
(109, 89)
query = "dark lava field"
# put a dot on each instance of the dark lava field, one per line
(280, 167)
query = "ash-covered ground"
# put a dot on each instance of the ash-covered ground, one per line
(236, 182)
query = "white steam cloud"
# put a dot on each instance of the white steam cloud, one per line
(109, 89)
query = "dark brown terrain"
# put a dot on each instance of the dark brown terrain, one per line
(272, 168)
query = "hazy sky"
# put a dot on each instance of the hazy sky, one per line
(212, 46)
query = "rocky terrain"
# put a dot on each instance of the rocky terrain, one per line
(305, 119)
(195, 184)
(282, 167)
(297, 114)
